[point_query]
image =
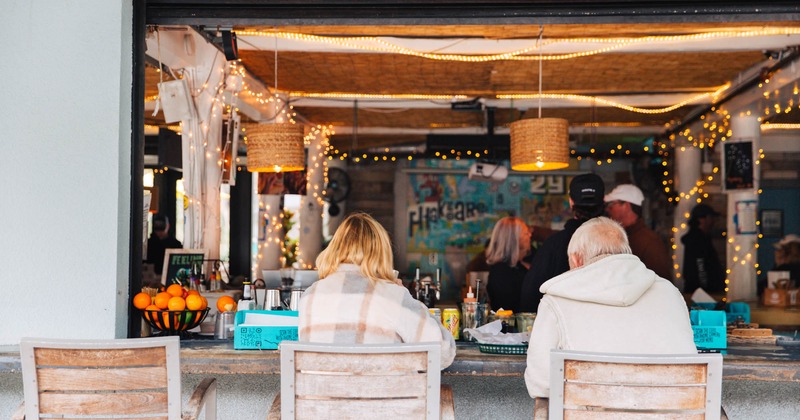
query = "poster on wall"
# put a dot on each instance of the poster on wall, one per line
(280, 183)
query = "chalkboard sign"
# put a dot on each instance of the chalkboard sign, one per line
(178, 263)
(738, 165)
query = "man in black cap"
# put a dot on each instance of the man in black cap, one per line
(701, 264)
(159, 241)
(586, 193)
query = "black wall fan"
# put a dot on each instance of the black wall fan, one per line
(336, 190)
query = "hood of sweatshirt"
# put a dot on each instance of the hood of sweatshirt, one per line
(614, 280)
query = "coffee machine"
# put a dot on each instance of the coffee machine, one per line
(427, 290)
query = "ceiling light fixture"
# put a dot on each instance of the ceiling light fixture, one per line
(276, 147)
(539, 144)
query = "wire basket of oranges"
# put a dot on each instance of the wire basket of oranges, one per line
(172, 311)
(174, 322)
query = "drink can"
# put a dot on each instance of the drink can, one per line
(436, 313)
(452, 321)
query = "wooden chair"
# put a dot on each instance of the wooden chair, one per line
(361, 381)
(123, 378)
(586, 385)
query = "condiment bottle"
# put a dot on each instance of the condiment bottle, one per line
(471, 318)
(246, 302)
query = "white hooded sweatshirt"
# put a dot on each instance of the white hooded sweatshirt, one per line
(613, 304)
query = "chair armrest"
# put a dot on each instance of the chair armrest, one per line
(446, 406)
(204, 396)
(19, 413)
(275, 410)
(541, 408)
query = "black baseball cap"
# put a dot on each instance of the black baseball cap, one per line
(587, 190)
(702, 210)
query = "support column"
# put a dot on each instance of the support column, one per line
(311, 206)
(267, 235)
(687, 174)
(742, 237)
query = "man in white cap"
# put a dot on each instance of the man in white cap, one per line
(624, 205)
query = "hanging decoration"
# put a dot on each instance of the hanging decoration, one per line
(539, 144)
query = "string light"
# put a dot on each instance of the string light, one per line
(382, 46)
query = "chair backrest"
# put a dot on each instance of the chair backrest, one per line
(359, 380)
(112, 378)
(617, 386)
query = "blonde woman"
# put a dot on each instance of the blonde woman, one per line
(510, 244)
(358, 298)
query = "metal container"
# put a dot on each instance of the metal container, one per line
(272, 302)
(223, 326)
(294, 300)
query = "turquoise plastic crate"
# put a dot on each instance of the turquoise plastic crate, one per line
(709, 329)
(262, 337)
(733, 310)
(738, 309)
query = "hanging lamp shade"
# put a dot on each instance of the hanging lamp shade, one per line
(539, 144)
(275, 147)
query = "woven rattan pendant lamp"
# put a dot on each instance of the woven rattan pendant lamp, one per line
(276, 147)
(539, 144)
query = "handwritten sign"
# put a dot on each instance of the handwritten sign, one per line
(178, 263)
(738, 165)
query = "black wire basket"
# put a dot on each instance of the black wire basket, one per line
(174, 322)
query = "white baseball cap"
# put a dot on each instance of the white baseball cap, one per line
(786, 240)
(626, 192)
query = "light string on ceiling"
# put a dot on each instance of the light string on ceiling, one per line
(383, 46)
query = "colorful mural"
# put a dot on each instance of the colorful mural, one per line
(450, 217)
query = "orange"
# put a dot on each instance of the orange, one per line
(149, 308)
(205, 302)
(194, 302)
(162, 300)
(142, 300)
(176, 303)
(193, 292)
(175, 289)
(226, 303)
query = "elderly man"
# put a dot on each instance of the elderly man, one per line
(608, 302)
(624, 205)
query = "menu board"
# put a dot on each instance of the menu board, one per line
(738, 165)
(178, 263)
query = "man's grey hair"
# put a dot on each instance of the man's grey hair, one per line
(598, 236)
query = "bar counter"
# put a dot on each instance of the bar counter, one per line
(213, 357)
(743, 362)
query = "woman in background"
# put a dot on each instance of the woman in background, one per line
(510, 244)
(359, 300)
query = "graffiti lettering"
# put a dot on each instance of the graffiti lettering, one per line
(423, 215)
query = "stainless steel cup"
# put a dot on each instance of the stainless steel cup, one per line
(272, 302)
(223, 325)
(294, 300)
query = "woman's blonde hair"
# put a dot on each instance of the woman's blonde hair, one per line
(362, 241)
(504, 245)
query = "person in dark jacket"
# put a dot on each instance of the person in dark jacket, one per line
(701, 264)
(624, 206)
(160, 240)
(510, 244)
(586, 192)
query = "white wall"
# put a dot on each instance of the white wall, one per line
(65, 119)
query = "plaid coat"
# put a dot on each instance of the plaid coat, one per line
(346, 307)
